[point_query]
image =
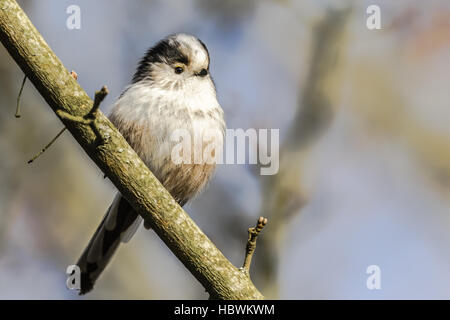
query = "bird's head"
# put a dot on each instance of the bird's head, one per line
(174, 61)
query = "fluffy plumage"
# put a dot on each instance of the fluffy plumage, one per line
(171, 89)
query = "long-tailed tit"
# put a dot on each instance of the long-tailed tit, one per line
(171, 89)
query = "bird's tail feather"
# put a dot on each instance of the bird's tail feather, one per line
(118, 225)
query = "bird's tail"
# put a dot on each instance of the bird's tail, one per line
(118, 225)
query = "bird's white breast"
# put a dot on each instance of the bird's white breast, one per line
(147, 117)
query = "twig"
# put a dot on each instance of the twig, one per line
(90, 118)
(75, 76)
(251, 243)
(47, 146)
(67, 116)
(99, 97)
(17, 115)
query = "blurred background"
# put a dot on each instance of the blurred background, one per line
(364, 163)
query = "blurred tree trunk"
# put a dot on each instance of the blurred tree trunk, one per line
(283, 193)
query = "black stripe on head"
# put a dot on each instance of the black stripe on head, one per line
(166, 51)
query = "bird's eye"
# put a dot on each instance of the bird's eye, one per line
(179, 70)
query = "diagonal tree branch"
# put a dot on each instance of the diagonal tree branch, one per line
(118, 160)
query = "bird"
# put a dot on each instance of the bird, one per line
(171, 89)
